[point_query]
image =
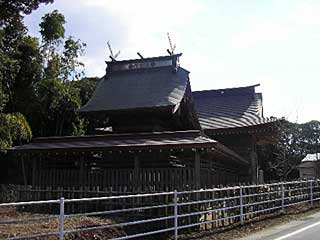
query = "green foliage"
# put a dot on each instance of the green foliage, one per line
(64, 64)
(86, 88)
(20, 69)
(3, 98)
(38, 81)
(58, 98)
(52, 27)
(73, 49)
(297, 140)
(14, 129)
(14, 9)
(58, 104)
(21, 85)
(79, 127)
(11, 18)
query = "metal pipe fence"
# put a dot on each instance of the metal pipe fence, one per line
(173, 212)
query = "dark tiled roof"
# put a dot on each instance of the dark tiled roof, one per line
(229, 108)
(144, 88)
(139, 141)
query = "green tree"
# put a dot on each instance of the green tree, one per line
(66, 64)
(52, 32)
(15, 9)
(42, 74)
(59, 100)
(71, 67)
(52, 28)
(297, 140)
(14, 130)
(19, 70)
(28, 74)
(86, 87)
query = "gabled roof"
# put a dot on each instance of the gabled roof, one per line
(229, 108)
(139, 84)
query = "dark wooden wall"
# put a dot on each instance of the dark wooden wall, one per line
(144, 171)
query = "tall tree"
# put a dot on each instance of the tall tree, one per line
(281, 160)
(52, 32)
(19, 69)
(72, 68)
(28, 74)
(59, 100)
(15, 9)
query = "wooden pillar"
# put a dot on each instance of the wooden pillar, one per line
(211, 174)
(23, 170)
(35, 171)
(253, 158)
(81, 171)
(197, 169)
(254, 161)
(261, 177)
(136, 172)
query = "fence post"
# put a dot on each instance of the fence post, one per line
(311, 193)
(241, 206)
(175, 201)
(282, 197)
(61, 219)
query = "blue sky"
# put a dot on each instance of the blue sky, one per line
(225, 43)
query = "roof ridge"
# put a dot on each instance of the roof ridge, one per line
(248, 90)
(221, 89)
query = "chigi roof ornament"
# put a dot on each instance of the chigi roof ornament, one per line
(144, 63)
(172, 46)
(112, 56)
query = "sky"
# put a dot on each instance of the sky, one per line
(225, 43)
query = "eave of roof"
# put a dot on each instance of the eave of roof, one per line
(269, 126)
(138, 89)
(192, 139)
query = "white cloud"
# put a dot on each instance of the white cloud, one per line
(261, 34)
(306, 13)
(130, 26)
(275, 43)
(146, 22)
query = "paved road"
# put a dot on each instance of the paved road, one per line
(303, 229)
